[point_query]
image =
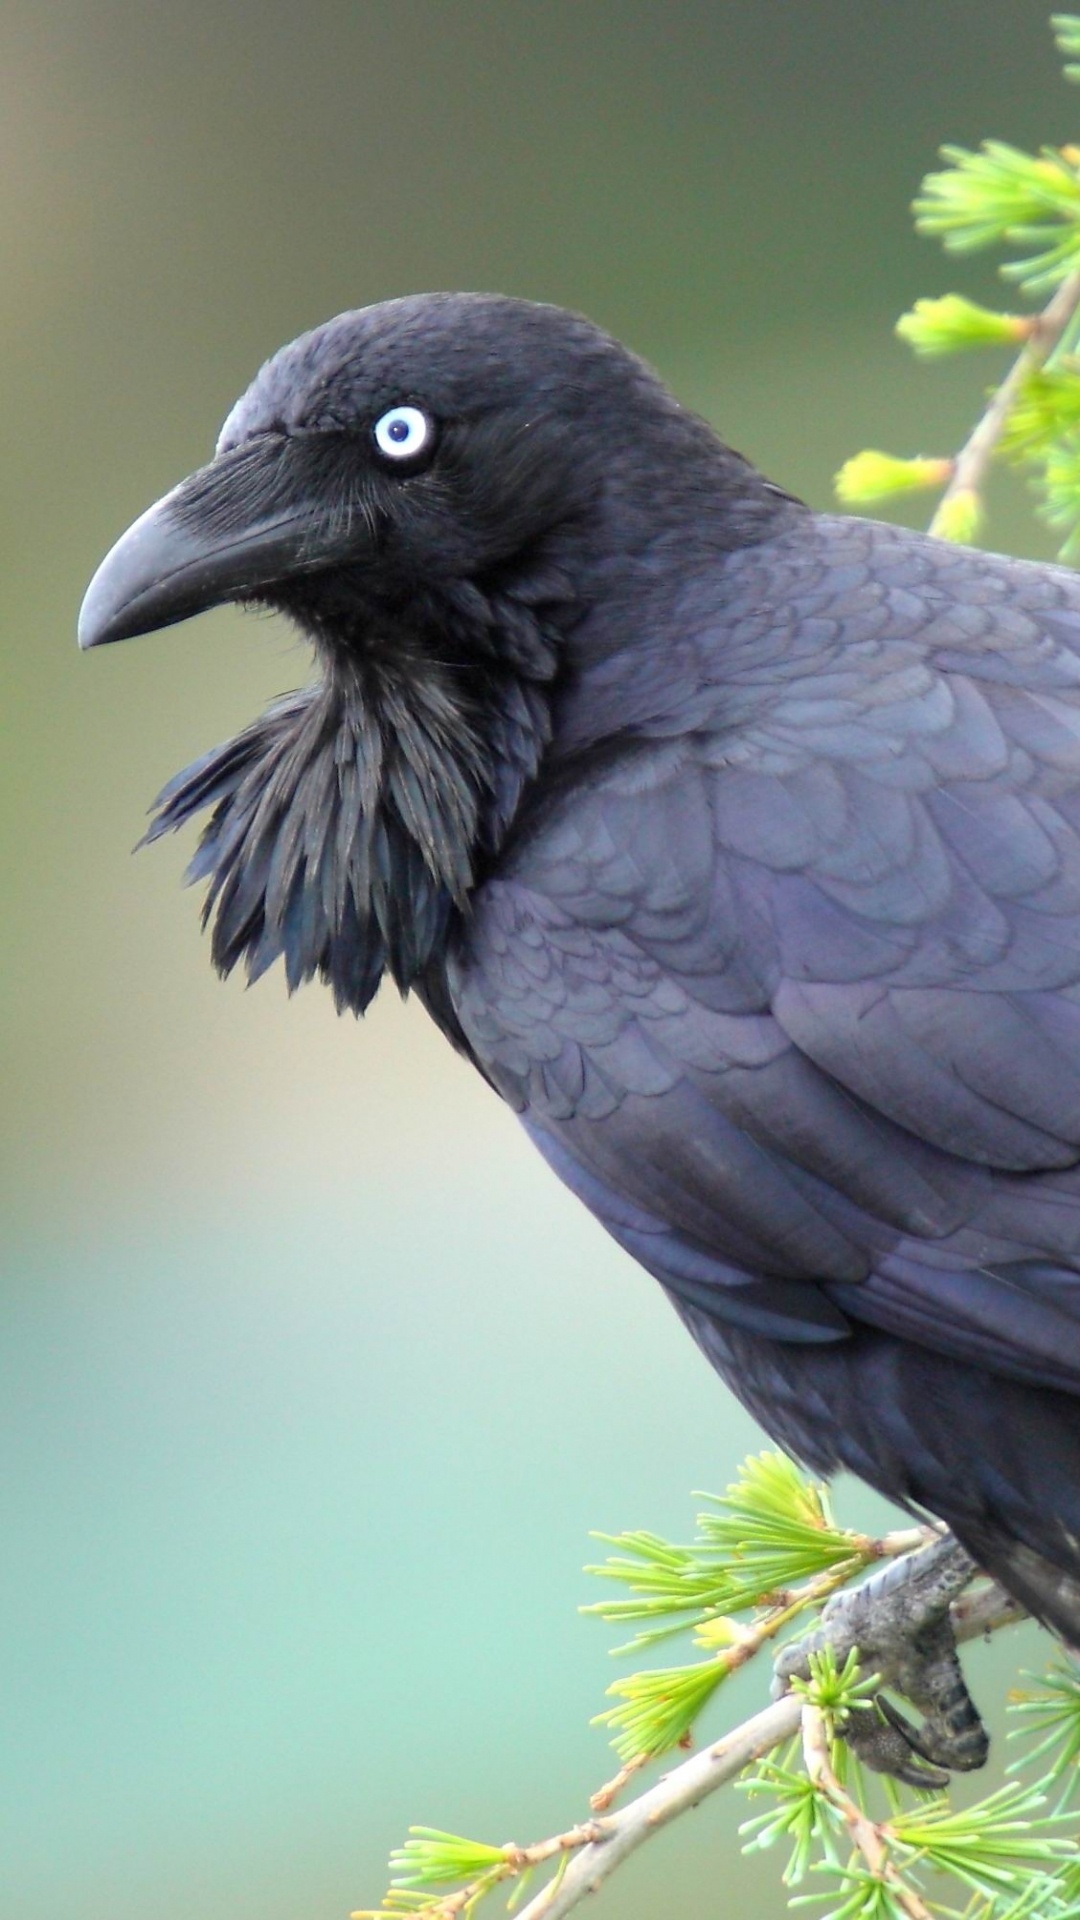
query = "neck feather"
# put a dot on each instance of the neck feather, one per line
(349, 822)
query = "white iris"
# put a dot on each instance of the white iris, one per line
(402, 433)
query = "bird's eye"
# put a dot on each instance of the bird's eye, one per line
(404, 433)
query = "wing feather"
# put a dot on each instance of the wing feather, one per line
(792, 998)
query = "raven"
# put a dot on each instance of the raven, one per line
(738, 846)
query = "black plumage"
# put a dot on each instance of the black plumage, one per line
(738, 845)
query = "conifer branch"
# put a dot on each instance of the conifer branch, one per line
(687, 1785)
(867, 1836)
(590, 1852)
(961, 500)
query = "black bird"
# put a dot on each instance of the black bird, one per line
(737, 845)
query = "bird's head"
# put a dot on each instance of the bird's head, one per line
(384, 459)
(438, 491)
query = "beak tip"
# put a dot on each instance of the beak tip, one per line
(92, 630)
(155, 575)
(130, 569)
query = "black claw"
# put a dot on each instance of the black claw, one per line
(887, 1742)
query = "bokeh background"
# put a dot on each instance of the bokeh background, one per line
(312, 1380)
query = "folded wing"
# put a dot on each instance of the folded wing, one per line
(791, 994)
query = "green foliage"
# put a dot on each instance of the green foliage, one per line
(1058, 484)
(952, 324)
(1029, 206)
(437, 1872)
(838, 1691)
(1050, 1715)
(989, 1847)
(798, 1816)
(871, 476)
(768, 1546)
(1011, 1852)
(1000, 196)
(444, 1877)
(658, 1707)
(960, 517)
(771, 1529)
(1046, 412)
(431, 1858)
(1067, 35)
(866, 1897)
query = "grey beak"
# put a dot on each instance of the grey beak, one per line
(202, 545)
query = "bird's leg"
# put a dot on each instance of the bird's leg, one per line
(899, 1621)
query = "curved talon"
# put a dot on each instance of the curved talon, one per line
(891, 1744)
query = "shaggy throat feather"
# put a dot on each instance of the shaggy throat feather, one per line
(347, 824)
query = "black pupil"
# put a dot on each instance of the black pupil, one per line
(399, 429)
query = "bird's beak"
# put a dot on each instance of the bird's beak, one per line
(226, 533)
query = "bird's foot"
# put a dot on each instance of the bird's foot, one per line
(899, 1621)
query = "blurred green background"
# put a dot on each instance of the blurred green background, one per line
(312, 1380)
